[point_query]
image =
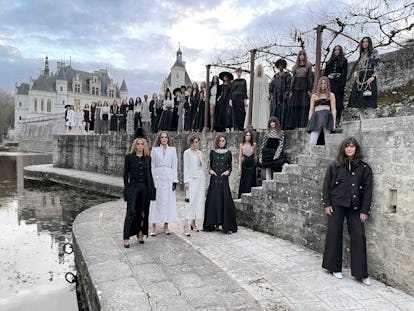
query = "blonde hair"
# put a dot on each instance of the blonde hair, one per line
(134, 145)
(157, 141)
(328, 86)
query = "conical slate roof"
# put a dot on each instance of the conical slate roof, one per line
(61, 74)
(123, 87)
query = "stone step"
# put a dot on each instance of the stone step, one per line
(307, 160)
(334, 139)
(292, 169)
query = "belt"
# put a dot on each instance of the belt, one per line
(322, 107)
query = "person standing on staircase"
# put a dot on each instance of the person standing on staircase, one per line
(347, 193)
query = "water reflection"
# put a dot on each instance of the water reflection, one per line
(36, 221)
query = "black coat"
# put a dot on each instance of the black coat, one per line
(348, 187)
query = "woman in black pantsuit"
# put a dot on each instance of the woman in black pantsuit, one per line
(139, 190)
(347, 193)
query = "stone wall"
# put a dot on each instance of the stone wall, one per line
(290, 206)
(36, 134)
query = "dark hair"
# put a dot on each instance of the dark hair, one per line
(340, 159)
(216, 141)
(340, 57)
(212, 81)
(138, 100)
(167, 91)
(131, 100)
(192, 138)
(281, 62)
(370, 47)
(157, 141)
(251, 137)
(276, 120)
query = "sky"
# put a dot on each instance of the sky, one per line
(138, 39)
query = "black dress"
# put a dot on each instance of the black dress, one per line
(223, 114)
(248, 175)
(220, 208)
(86, 118)
(113, 124)
(123, 117)
(337, 72)
(298, 104)
(322, 118)
(238, 94)
(92, 124)
(193, 110)
(139, 190)
(272, 145)
(279, 90)
(367, 66)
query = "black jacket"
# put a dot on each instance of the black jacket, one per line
(348, 187)
(134, 171)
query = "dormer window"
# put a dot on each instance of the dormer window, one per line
(77, 88)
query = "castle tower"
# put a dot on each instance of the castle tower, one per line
(178, 75)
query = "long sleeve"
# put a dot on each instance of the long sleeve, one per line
(288, 82)
(272, 85)
(187, 160)
(229, 161)
(264, 143)
(367, 190)
(281, 145)
(153, 160)
(344, 72)
(326, 190)
(211, 160)
(377, 63)
(174, 165)
(127, 169)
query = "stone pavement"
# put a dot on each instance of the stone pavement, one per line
(210, 271)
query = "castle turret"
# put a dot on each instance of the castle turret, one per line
(123, 90)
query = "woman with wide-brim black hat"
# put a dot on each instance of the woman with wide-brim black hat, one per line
(223, 113)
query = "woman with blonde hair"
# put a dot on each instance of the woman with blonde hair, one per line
(300, 92)
(164, 171)
(322, 112)
(260, 109)
(139, 190)
(194, 184)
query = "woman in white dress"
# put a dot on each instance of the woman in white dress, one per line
(194, 185)
(260, 111)
(164, 172)
(77, 119)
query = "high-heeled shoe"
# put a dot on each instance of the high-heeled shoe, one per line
(126, 245)
(195, 228)
(140, 239)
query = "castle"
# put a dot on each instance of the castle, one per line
(49, 93)
(178, 75)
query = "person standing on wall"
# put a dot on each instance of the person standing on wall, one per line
(279, 92)
(336, 70)
(247, 163)
(322, 112)
(98, 119)
(145, 115)
(105, 118)
(223, 112)
(138, 108)
(139, 190)
(114, 111)
(86, 117)
(164, 171)
(347, 193)
(220, 210)
(214, 94)
(153, 113)
(364, 92)
(238, 96)
(130, 117)
(260, 109)
(194, 185)
(123, 110)
(271, 156)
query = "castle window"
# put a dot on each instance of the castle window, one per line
(97, 91)
(49, 105)
(111, 93)
(35, 105)
(20, 104)
(20, 117)
(41, 105)
(77, 88)
(93, 90)
(61, 88)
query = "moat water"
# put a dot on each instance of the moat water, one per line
(35, 222)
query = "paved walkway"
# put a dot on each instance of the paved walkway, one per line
(211, 271)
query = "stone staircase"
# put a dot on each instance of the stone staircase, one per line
(289, 206)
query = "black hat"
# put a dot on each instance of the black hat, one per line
(139, 133)
(67, 106)
(176, 90)
(226, 73)
(281, 62)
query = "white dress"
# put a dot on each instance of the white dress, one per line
(164, 172)
(194, 175)
(261, 104)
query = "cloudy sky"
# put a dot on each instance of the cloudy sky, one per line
(137, 39)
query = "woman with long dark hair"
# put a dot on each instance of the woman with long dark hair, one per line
(271, 156)
(247, 163)
(153, 113)
(220, 209)
(214, 94)
(336, 70)
(167, 113)
(113, 124)
(300, 92)
(130, 117)
(224, 112)
(139, 190)
(322, 112)
(138, 108)
(194, 98)
(347, 193)
(364, 92)
(86, 117)
(92, 117)
(164, 171)
(123, 110)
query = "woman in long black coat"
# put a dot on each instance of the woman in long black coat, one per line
(247, 163)
(220, 209)
(139, 190)
(347, 193)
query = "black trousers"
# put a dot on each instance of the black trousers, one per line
(134, 222)
(239, 113)
(332, 257)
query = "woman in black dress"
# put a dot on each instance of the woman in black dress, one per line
(194, 98)
(167, 113)
(113, 124)
(138, 113)
(322, 112)
(336, 70)
(92, 117)
(220, 209)
(139, 190)
(247, 163)
(300, 92)
(223, 112)
(347, 193)
(123, 110)
(238, 96)
(364, 92)
(86, 117)
(271, 155)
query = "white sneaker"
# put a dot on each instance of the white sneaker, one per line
(366, 281)
(338, 275)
